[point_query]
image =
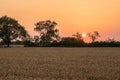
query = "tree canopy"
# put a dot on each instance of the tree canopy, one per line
(48, 32)
(10, 30)
(93, 36)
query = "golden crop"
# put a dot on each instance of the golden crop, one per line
(59, 63)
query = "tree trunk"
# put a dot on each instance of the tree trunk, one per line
(8, 45)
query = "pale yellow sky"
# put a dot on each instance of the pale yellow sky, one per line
(71, 15)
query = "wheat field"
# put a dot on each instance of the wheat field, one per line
(59, 63)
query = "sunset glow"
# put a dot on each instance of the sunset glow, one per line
(83, 35)
(71, 15)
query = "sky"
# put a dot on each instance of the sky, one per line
(72, 16)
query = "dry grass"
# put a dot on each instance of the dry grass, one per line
(59, 63)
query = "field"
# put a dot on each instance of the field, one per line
(59, 63)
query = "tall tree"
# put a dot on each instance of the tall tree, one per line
(48, 32)
(93, 36)
(10, 30)
(78, 36)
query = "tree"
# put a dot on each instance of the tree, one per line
(93, 36)
(36, 39)
(110, 40)
(10, 30)
(78, 36)
(48, 32)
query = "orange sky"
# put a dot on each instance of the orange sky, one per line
(71, 15)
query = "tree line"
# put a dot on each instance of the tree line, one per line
(13, 33)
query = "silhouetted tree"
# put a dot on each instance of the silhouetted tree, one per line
(36, 39)
(48, 32)
(110, 40)
(10, 30)
(78, 36)
(93, 36)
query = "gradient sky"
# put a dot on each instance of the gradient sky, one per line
(71, 15)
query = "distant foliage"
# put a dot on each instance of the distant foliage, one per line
(28, 43)
(104, 44)
(71, 42)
